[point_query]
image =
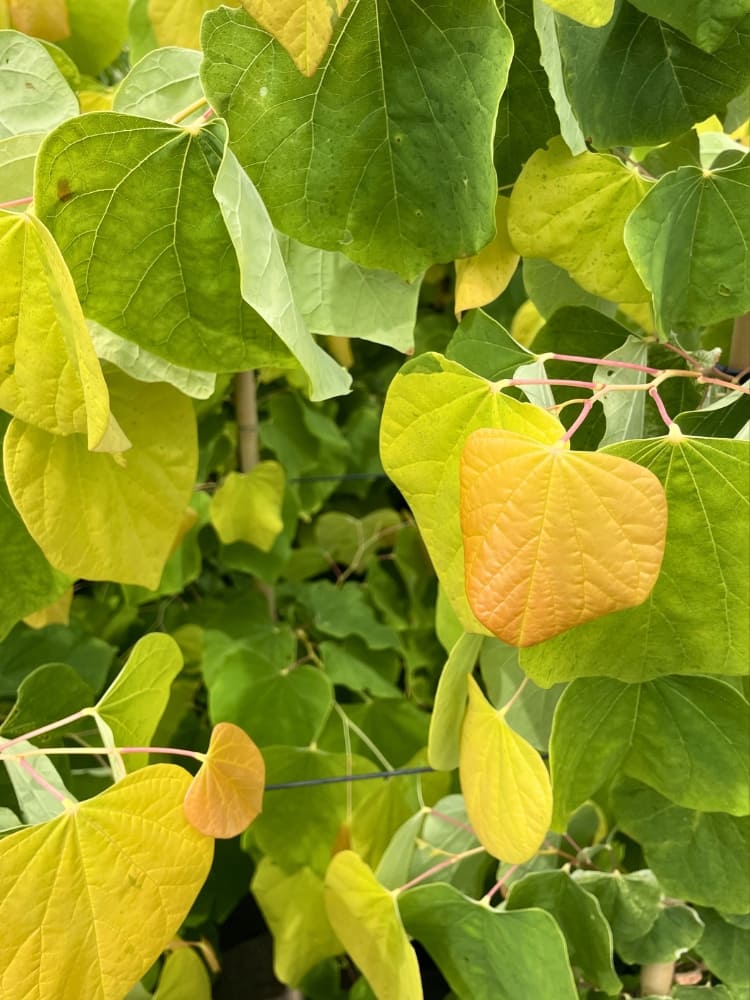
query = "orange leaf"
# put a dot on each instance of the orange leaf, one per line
(554, 538)
(227, 792)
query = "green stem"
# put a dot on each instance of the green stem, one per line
(188, 111)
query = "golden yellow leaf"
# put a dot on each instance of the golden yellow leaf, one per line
(366, 919)
(526, 323)
(554, 538)
(303, 27)
(505, 784)
(227, 792)
(47, 19)
(89, 899)
(481, 278)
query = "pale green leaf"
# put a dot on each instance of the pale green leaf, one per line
(94, 517)
(350, 162)
(247, 506)
(161, 84)
(111, 881)
(35, 802)
(36, 96)
(624, 411)
(551, 59)
(450, 703)
(688, 240)
(686, 625)
(17, 159)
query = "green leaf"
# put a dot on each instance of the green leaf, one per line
(551, 288)
(342, 299)
(676, 930)
(247, 506)
(35, 802)
(445, 831)
(700, 856)
(36, 96)
(571, 210)
(688, 241)
(431, 408)
(630, 901)
(483, 346)
(17, 159)
(292, 905)
(264, 280)
(594, 13)
(354, 665)
(705, 22)
(624, 411)
(126, 199)
(545, 25)
(580, 918)
(486, 954)
(683, 627)
(684, 736)
(366, 185)
(113, 878)
(51, 692)
(26, 648)
(184, 976)
(344, 611)
(724, 948)
(724, 418)
(351, 541)
(450, 703)
(161, 84)
(605, 69)
(135, 701)
(97, 35)
(94, 517)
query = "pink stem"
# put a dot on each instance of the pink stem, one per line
(17, 201)
(45, 729)
(440, 867)
(553, 381)
(585, 410)
(605, 362)
(451, 820)
(40, 780)
(175, 751)
(499, 885)
(654, 394)
(208, 114)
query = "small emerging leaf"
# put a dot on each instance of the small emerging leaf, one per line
(227, 792)
(505, 783)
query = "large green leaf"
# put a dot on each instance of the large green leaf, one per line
(689, 241)
(700, 856)
(161, 84)
(571, 210)
(95, 515)
(485, 954)
(130, 203)
(705, 22)
(587, 933)
(36, 96)
(695, 619)
(606, 69)
(346, 159)
(684, 736)
(432, 406)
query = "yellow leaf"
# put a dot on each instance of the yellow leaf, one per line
(178, 22)
(293, 908)
(480, 279)
(100, 519)
(505, 784)
(47, 19)
(365, 916)
(90, 899)
(96, 100)
(554, 538)
(49, 374)
(247, 506)
(594, 13)
(227, 792)
(57, 613)
(303, 28)
(526, 323)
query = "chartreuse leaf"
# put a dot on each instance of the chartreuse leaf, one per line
(51, 377)
(537, 520)
(184, 977)
(51, 692)
(504, 782)
(247, 506)
(98, 519)
(571, 210)
(111, 879)
(97, 34)
(443, 748)
(135, 701)
(264, 281)
(695, 855)
(226, 794)
(304, 30)
(488, 954)
(178, 23)
(177, 285)
(292, 905)
(431, 408)
(594, 13)
(684, 736)
(161, 84)
(36, 96)
(349, 164)
(587, 933)
(688, 241)
(366, 919)
(481, 278)
(683, 627)
(705, 22)
(605, 70)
